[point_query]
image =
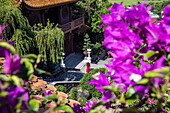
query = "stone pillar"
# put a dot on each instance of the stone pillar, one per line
(89, 57)
(62, 61)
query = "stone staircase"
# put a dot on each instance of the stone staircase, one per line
(73, 61)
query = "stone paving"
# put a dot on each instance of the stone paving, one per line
(70, 76)
(74, 61)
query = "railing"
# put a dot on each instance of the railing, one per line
(68, 27)
(67, 84)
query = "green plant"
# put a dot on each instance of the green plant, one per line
(87, 42)
(158, 6)
(89, 87)
(96, 20)
(97, 48)
(5, 2)
(49, 41)
(61, 88)
(82, 101)
(73, 93)
(18, 29)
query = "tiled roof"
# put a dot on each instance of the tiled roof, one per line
(43, 3)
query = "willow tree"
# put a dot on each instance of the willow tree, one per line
(18, 29)
(49, 41)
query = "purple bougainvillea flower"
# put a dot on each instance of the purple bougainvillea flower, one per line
(137, 15)
(100, 82)
(118, 9)
(2, 36)
(151, 101)
(77, 108)
(156, 81)
(142, 89)
(166, 15)
(11, 42)
(14, 92)
(12, 63)
(164, 110)
(2, 28)
(159, 63)
(145, 67)
(89, 104)
(107, 95)
(47, 93)
(146, 95)
(4, 109)
(126, 31)
(16, 95)
(154, 34)
(116, 13)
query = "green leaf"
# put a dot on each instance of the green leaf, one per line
(34, 105)
(130, 92)
(122, 97)
(168, 57)
(53, 97)
(4, 93)
(130, 110)
(31, 56)
(152, 74)
(164, 70)
(111, 1)
(8, 47)
(16, 80)
(98, 104)
(5, 78)
(111, 88)
(97, 111)
(131, 101)
(40, 71)
(158, 72)
(149, 54)
(26, 70)
(143, 81)
(64, 107)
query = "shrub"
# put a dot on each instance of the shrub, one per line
(82, 101)
(89, 87)
(61, 88)
(73, 93)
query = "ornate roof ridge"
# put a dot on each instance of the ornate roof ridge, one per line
(45, 3)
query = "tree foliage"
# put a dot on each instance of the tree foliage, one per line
(89, 87)
(49, 41)
(5, 2)
(158, 6)
(18, 28)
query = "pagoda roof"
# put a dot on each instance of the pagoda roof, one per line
(46, 3)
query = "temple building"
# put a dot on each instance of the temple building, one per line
(59, 12)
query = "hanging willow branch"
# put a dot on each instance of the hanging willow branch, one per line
(49, 41)
(18, 29)
(22, 42)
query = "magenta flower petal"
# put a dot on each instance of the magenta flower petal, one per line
(107, 96)
(47, 93)
(2, 28)
(100, 82)
(89, 104)
(142, 89)
(2, 36)
(12, 63)
(77, 108)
